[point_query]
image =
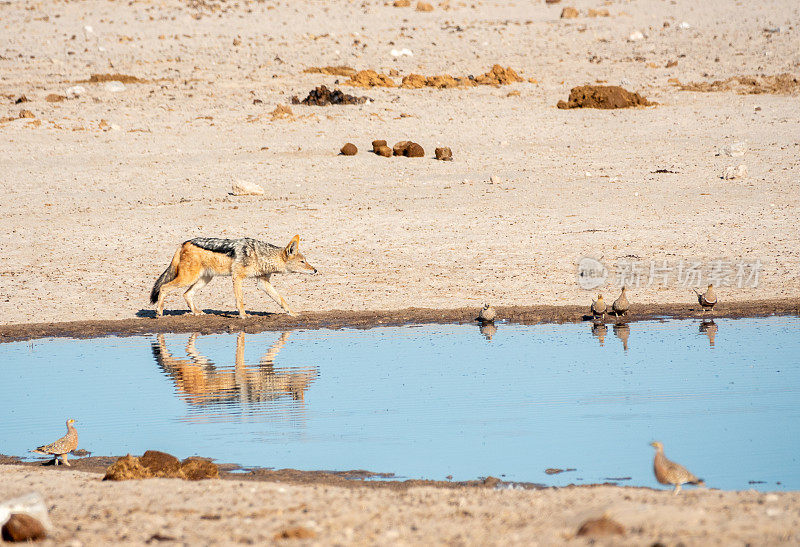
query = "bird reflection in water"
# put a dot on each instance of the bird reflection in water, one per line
(622, 331)
(488, 330)
(709, 328)
(202, 383)
(599, 331)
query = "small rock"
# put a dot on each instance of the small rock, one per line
(735, 172)
(246, 188)
(21, 99)
(735, 150)
(414, 151)
(377, 144)
(400, 148)
(494, 179)
(635, 36)
(401, 52)
(384, 151)
(684, 26)
(552, 1)
(603, 526)
(54, 98)
(281, 112)
(237, 41)
(26, 114)
(402, 3)
(444, 154)
(602, 12)
(569, 13)
(114, 86)
(75, 91)
(22, 527)
(349, 149)
(424, 6)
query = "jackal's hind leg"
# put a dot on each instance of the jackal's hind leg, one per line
(189, 294)
(264, 283)
(237, 292)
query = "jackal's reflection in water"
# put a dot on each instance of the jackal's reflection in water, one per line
(202, 383)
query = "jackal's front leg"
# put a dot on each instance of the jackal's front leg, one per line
(264, 283)
(237, 292)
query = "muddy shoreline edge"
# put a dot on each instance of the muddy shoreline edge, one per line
(220, 322)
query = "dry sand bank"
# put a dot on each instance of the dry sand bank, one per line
(87, 511)
(99, 190)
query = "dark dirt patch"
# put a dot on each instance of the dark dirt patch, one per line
(603, 526)
(602, 96)
(124, 78)
(217, 321)
(780, 84)
(322, 96)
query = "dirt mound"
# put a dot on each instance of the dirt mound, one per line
(444, 154)
(499, 76)
(602, 96)
(160, 464)
(124, 78)
(444, 81)
(345, 71)
(322, 96)
(780, 84)
(370, 78)
(603, 526)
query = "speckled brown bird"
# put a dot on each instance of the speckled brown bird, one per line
(62, 446)
(669, 472)
(621, 304)
(598, 308)
(707, 299)
(487, 314)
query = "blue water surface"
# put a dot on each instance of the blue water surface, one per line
(431, 401)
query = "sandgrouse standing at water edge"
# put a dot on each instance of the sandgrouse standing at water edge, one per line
(487, 314)
(621, 304)
(707, 299)
(598, 307)
(669, 472)
(62, 446)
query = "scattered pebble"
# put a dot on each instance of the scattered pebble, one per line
(378, 143)
(114, 87)
(281, 112)
(635, 36)
(735, 150)
(569, 13)
(735, 172)
(21, 99)
(405, 52)
(602, 12)
(444, 154)
(402, 3)
(26, 114)
(349, 149)
(54, 98)
(424, 6)
(494, 179)
(684, 26)
(75, 91)
(384, 151)
(298, 532)
(21, 527)
(414, 150)
(246, 188)
(399, 148)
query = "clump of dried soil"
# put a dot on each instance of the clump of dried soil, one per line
(345, 71)
(603, 526)
(444, 81)
(160, 464)
(780, 84)
(322, 96)
(602, 96)
(498, 75)
(349, 149)
(124, 78)
(370, 78)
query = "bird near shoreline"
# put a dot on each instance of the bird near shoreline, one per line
(598, 307)
(487, 314)
(707, 299)
(620, 306)
(61, 447)
(669, 472)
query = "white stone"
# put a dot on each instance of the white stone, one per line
(75, 91)
(246, 188)
(684, 26)
(114, 87)
(735, 150)
(494, 179)
(735, 172)
(635, 36)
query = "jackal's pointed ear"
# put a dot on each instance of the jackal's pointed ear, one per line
(291, 248)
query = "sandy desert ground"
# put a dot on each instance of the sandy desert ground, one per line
(100, 189)
(88, 511)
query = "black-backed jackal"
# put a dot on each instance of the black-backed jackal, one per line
(198, 260)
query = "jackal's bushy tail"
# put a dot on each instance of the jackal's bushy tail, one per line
(168, 275)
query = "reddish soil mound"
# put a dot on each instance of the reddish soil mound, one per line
(602, 96)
